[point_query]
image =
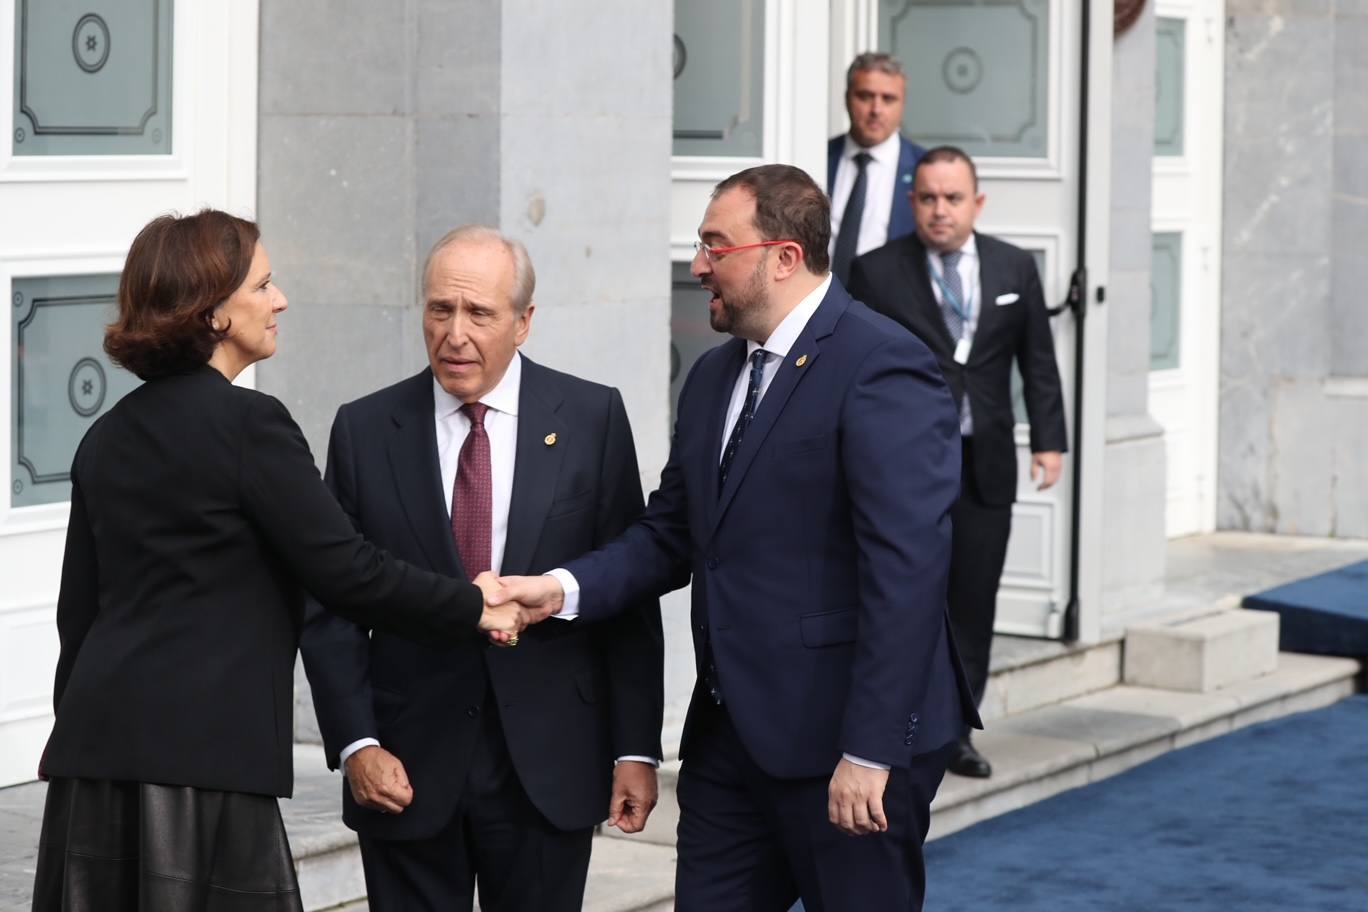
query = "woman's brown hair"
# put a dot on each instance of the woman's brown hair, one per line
(178, 271)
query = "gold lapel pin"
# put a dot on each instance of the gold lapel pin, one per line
(802, 359)
(549, 439)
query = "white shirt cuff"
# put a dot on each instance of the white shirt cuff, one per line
(651, 760)
(861, 761)
(353, 748)
(570, 607)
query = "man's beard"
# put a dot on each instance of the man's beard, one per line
(739, 313)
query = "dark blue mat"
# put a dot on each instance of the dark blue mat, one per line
(1325, 614)
(1272, 817)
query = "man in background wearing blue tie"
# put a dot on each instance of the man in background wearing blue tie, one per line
(869, 169)
(814, 464)
(977, 303)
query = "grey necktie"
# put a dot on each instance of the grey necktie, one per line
(950, 274)
(955, 322)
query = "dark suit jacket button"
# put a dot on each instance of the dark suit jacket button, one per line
(472, 711)
(712, 563)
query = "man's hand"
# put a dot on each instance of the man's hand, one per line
(1048, 464)
(634, 795)
(500, 624)
(378, 780)
(539, 596)
(855, 799)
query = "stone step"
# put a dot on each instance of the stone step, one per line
(1027, 673)
(1202, 654)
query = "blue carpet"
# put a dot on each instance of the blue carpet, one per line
(1272, 817)
(1325, 614)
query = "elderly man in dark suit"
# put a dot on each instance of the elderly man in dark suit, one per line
(976, 302)
(870, 168)
(807, 494)
(474, 765)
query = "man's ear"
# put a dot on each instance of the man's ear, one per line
(791, 258)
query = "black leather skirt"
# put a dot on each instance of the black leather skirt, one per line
(133, 847)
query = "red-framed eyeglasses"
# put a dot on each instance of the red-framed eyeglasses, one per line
(714, 253)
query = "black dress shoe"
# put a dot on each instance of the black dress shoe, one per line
(965, 761)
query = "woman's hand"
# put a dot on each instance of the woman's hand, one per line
(503, 623)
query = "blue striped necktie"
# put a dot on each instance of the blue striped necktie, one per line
(757, 376)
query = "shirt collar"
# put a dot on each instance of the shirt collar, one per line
(968, 251)
(885, 153)
(502, 398)
(791, 327)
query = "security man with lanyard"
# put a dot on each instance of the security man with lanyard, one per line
(976, 301)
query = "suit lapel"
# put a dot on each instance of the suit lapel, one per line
(732, 358)
(925, 313)
(990, 286)
(786, 380)
(900, 222)
(536, 467)
(418, 476)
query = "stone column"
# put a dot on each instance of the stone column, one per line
(1134, 461)
(1294, 328)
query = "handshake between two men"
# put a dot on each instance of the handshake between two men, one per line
(514, 603)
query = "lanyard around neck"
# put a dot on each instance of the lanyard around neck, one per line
(965, 310)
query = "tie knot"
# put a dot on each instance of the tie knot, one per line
(475, 411)
(758, 358)
(862, 159)
(950, 259)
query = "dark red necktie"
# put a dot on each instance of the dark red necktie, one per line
(472, 497)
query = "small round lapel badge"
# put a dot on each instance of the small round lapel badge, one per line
(549, 439)
(802, 359)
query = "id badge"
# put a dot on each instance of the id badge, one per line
(962, 351)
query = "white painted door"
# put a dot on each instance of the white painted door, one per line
(1186, 265)
(116, 111)
(1001, 81)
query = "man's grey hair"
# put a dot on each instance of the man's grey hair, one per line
(524, 277)
(874, 60)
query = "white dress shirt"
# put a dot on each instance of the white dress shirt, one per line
(778, 345)
(501, 426)
(972, 305)
(881, 175)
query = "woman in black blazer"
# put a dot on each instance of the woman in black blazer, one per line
(197, 520)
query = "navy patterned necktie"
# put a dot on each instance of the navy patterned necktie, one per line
(472, 496)
(757, 376)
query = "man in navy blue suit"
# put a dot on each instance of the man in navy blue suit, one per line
(814, 464)
(871, 168)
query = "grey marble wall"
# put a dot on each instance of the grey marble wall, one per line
(1294, 334)
(382, 125)
(1133, 460)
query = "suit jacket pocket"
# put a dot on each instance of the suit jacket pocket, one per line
(787, 449)
(828, 628)
(571, 504)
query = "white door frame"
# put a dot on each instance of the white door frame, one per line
(794, 129)
(1187, 198)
